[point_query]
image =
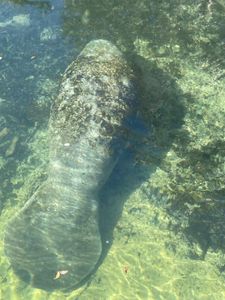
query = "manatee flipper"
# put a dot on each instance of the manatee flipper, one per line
(54, 240)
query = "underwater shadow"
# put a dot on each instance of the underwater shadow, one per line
(146, 151)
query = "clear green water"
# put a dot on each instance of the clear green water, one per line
(167, 199)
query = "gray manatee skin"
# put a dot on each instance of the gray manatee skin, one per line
(58, 227)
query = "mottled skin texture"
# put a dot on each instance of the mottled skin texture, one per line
(58, 228)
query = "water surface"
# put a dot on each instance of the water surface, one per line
(165, 199)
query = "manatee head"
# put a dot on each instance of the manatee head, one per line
(101, 50)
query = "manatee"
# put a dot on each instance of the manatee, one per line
(54, 241)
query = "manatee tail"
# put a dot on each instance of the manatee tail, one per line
(51, 235)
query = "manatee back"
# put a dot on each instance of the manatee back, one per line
(87, 120)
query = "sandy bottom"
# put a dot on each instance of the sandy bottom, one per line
(145, 261)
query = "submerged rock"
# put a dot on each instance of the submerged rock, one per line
(12, 147)
(47, 34)
(19, 20)
(4, 132)
(54, 241)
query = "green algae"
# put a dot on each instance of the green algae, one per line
(170, 236)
